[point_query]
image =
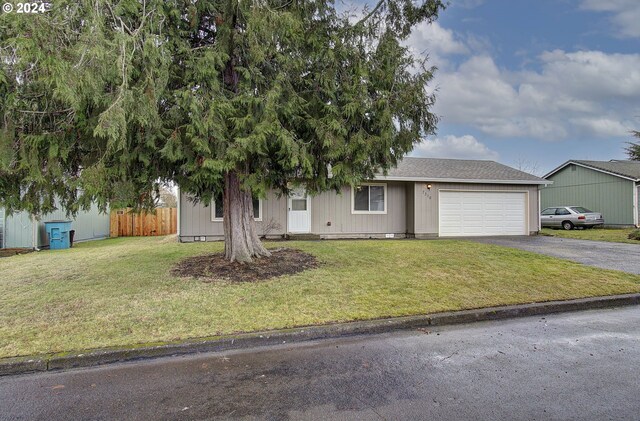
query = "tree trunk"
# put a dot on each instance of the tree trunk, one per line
(241, 242)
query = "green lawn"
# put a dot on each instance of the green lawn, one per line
(596, 234)
(119, 292)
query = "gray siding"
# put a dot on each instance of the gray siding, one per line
(600, 192)
(196, 219)
(89, 225)
(427, 206)
(336, 209)
(411, 208)
(196, 222)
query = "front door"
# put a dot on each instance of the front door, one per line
(299, 220)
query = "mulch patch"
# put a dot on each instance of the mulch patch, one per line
(13, 251)
(214, 267)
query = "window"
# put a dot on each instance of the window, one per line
(562, 211)
(369, 198)
(217, 211)
(580, 209)
(549, 211)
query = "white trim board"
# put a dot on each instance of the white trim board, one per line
(527, 213)
(353, 200)
(636, 222)
(213, 212)
(549, 174)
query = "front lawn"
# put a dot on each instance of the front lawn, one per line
(596, 234)
(120, 292)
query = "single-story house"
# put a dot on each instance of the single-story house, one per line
(421, 198)
(17, 230)
(609, 187)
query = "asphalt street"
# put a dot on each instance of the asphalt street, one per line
(571, 366)
(602, 254)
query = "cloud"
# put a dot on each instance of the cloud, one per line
(584, 93)
(463, 147)
(437, 42)
(625, 15)
(467, 4)
(602, 127)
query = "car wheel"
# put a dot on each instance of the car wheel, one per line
(567, 225)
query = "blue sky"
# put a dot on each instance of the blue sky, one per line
(534, 83)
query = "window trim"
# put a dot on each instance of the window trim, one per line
(368, 212)
(213, 212)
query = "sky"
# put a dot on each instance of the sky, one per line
(533, 83)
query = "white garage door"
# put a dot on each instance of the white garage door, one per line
(469, 213)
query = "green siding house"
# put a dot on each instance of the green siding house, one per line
(610, 187)
(17, 230)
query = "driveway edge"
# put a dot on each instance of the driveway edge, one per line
(94, 357)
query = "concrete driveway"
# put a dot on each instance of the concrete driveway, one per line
(606, 255)
(573, 366)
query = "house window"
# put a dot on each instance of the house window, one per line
(217, 211)
(369, 198)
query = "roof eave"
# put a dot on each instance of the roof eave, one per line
(561, 167)
(463, 180)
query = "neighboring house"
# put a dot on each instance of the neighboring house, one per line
(16, 231)
(421, 198)
(609, 187)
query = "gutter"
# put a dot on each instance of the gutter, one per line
(226, 343)
(462, 180)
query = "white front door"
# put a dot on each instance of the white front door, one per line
(299, 220)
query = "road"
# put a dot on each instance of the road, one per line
(568, 366)
(602, 254)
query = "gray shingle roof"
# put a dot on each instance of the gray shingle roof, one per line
(629, 169)
(463, 170)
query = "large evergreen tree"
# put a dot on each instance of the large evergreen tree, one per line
(104, 100)
(633, 150)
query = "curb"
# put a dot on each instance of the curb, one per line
(94, 357)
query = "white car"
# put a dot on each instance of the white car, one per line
(569, 217)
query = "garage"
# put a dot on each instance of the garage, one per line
(482, 213)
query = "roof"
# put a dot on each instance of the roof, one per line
(458, 170)
(620, 168)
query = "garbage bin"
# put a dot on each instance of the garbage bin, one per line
(58, 233)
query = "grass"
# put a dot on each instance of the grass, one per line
(615, 235)
(119, 292)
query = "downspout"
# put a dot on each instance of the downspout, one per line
(3, 227)
(635, 204)
(539, 210)
(34, 232)
(178, 212)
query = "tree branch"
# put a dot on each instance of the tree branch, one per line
(373, 12)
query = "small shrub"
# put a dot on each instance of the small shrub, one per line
(635, 235)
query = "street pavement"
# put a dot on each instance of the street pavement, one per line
(602, 254)
(572, 366)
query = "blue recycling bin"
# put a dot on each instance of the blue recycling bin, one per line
(58, 233)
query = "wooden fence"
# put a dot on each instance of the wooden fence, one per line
(126, 223)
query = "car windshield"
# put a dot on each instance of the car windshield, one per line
(580, 209)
